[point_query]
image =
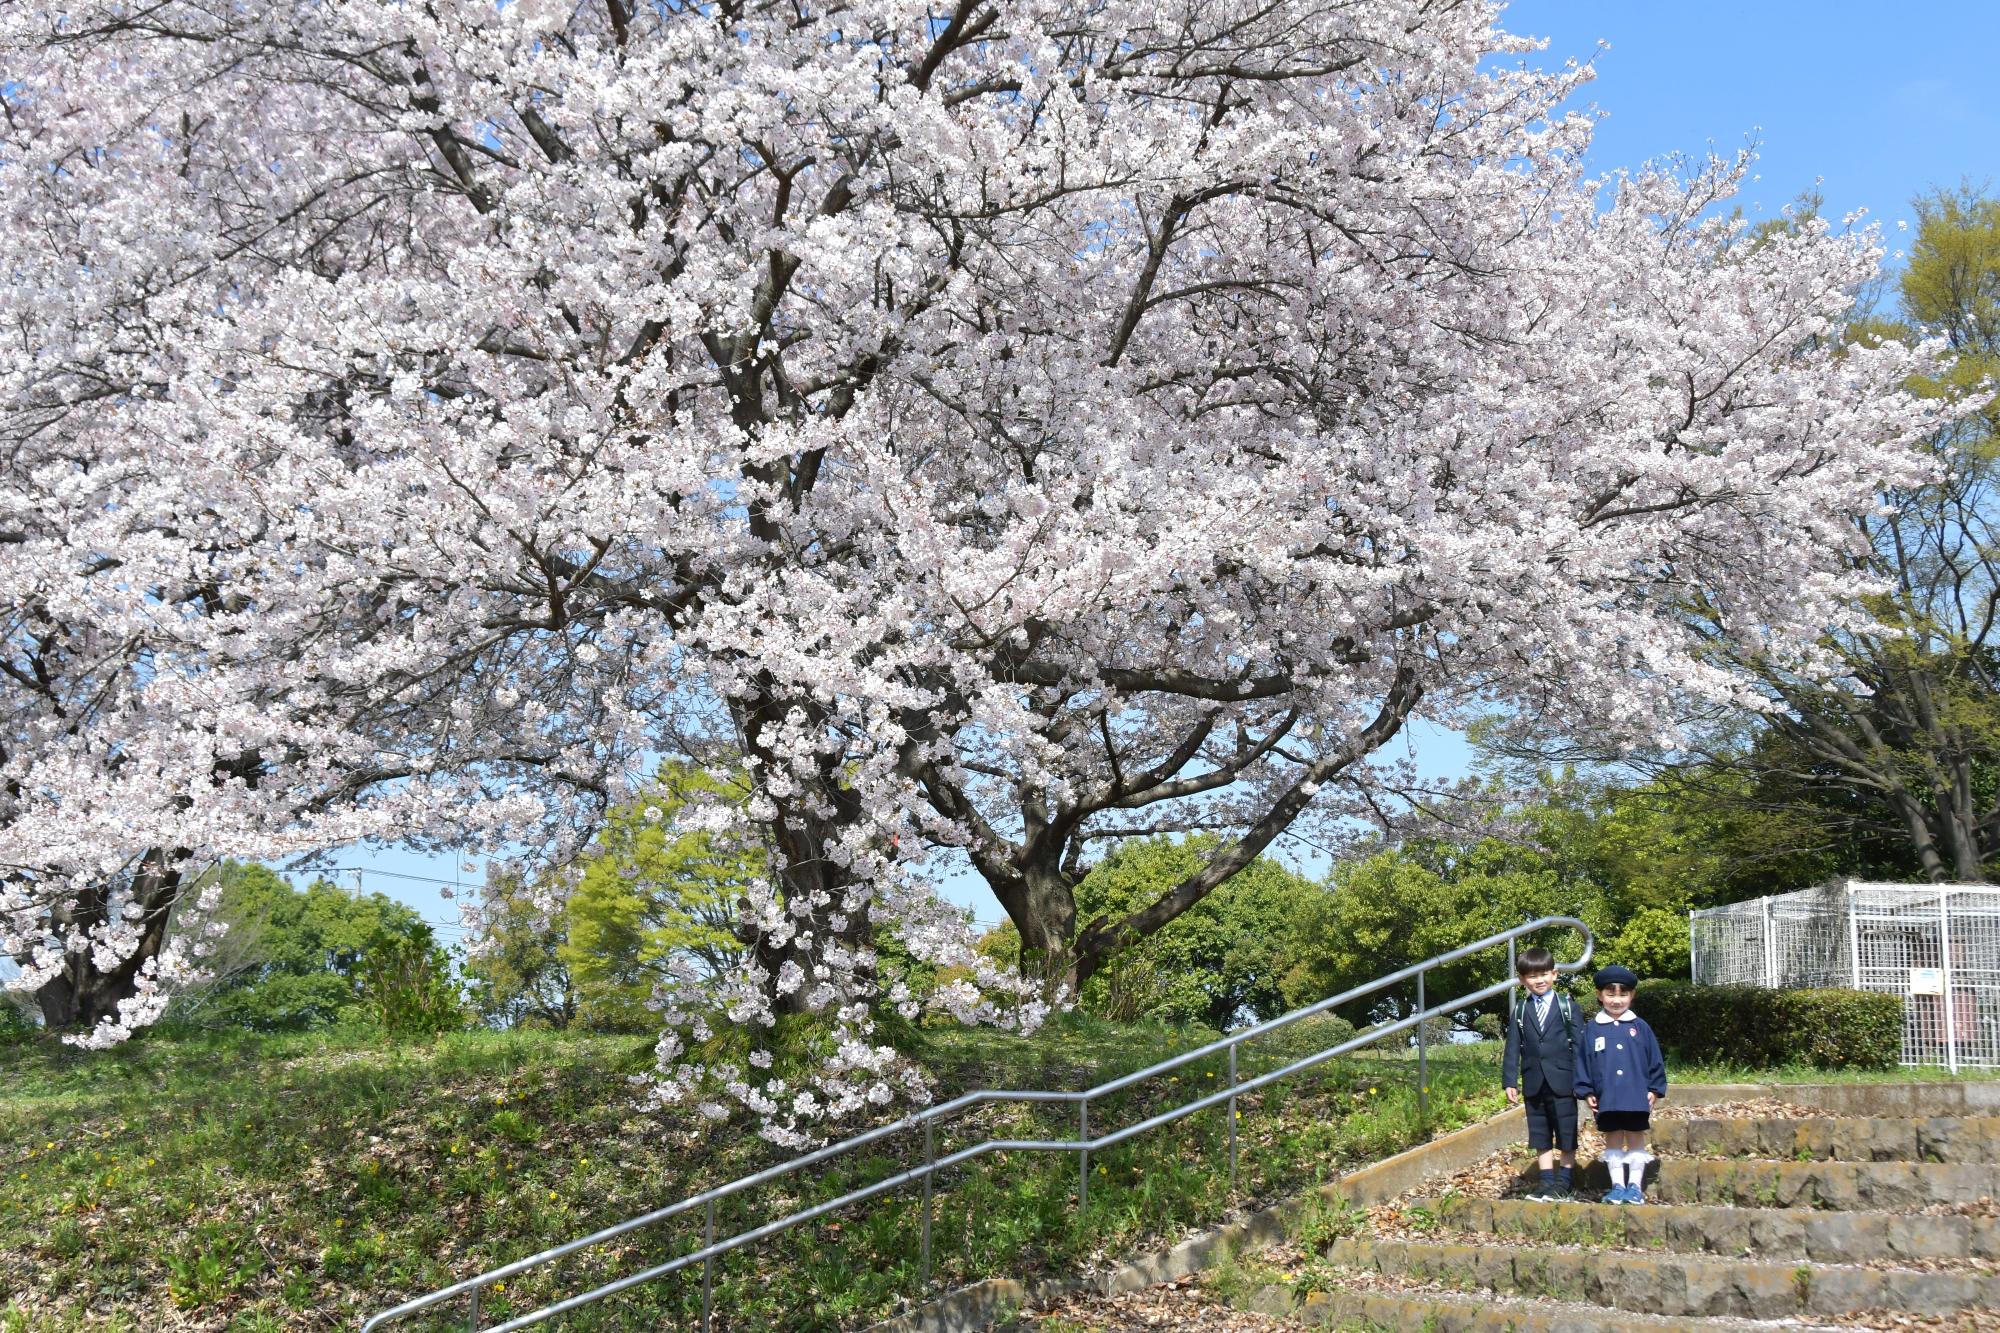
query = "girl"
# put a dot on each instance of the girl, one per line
(1620, 1072)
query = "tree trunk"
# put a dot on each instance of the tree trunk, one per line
(81, 996)
(1047, 922)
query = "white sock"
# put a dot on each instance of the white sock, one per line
(1635, 1165)
(1614, 1161)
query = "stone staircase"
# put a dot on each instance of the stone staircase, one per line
(1849, 1207)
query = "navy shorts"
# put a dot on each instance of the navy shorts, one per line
(1624, 1122)
(1551, 1121)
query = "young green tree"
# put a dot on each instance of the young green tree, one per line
(655, 899)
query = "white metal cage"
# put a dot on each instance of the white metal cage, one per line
(1936, 945)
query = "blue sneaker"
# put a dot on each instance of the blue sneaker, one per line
(1618, 1194)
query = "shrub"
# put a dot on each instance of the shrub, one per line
(17, 1025)
(407, 985)
(1490, 1027)
(1318, 1032)
(1749, 1025)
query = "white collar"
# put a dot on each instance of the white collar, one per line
(1607, 1019)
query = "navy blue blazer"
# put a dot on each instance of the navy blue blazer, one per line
(1541, 1058)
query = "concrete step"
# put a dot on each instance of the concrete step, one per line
(1446, 1312)
(1974, 1097)
(1836, 1138)
(1785, 1233)
(1848, 1186)
(1677, 1285)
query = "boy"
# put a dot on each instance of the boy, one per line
(1539, 1070)
(1621, 1074)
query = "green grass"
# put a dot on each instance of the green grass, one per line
(252, 1184)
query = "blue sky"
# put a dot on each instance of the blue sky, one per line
(1880, 102)
(1873, 103)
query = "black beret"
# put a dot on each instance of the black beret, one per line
(1615, 975)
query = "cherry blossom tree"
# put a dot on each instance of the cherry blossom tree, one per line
(1000, 428)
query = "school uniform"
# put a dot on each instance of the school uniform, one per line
(1540, 1060)
(1619, 1063)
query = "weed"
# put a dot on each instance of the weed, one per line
(1422, 1218)
(1315, 1277)
(1328, 1220)
(211, 1264)
(514, 1127)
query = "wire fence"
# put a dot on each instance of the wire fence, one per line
(1936, 945)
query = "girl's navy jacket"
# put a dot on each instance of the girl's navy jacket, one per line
(1619, 1063)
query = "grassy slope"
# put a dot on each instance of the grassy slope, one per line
(300, 1183)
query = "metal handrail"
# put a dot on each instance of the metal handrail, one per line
(927, 1119)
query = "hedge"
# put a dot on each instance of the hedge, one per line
(1749, 1025)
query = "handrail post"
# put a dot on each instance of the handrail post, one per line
(474, 1325)
(1423, 1064)
(1232, 1123)
(1513, 981)
(930, 1155)
(708, 1272)
(1082, 1157)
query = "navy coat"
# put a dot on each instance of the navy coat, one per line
(1619, 1063)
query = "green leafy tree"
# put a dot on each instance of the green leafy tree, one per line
(1404, 905)
(1221, 959)
(653, 898)
(292, 958)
